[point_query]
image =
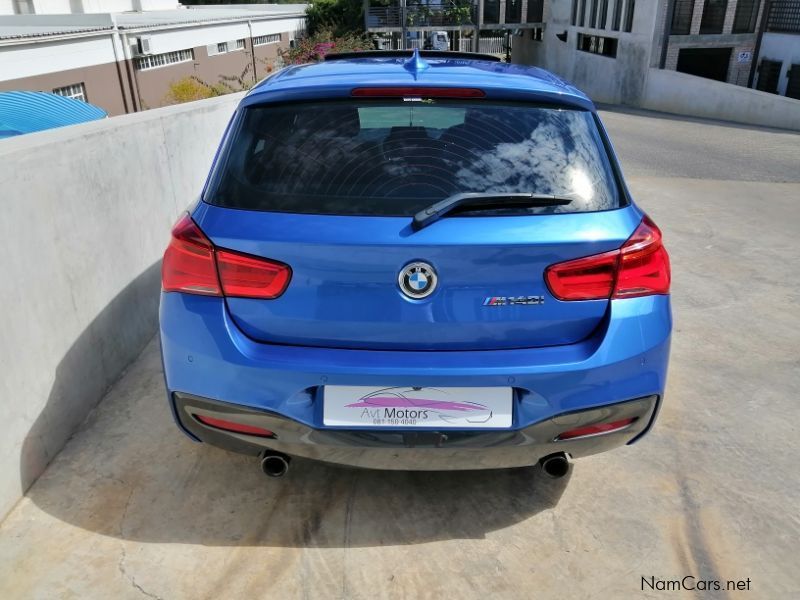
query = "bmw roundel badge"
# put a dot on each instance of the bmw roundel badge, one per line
(417, 280)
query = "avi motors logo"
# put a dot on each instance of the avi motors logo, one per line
(416, 406)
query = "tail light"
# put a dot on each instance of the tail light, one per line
(591, 430)
(639, 268)
(251, 277)
(193, 265)
(235, 427)
(189, 261)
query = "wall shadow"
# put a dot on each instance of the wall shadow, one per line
(96, 359)
(129, 473)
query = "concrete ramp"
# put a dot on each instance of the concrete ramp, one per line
(131, 508)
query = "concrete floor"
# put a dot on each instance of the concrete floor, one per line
(131, 508)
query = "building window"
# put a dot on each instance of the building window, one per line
(630, 7)
(223, 47)
(793, 86)
(744, 21)
(711, 63)
(601, 24)
(784, 16)
(682, 17)
(535, 11)
(713, 16)
(24, 7)
(513, 11)
(617, 17)
(593, 14)
(143, 63)
(769, 73)
(581, 12)
(491, 11)
(263, 40)
(604, 46)
(77, 91)
(537, 35)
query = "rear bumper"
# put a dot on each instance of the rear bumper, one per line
(209, 360)
(416, 450)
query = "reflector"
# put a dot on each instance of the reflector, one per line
(232, 426)
(594, 429)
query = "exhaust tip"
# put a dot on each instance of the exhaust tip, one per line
(274, 464)
(555, 465)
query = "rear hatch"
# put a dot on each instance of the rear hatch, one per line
(329, 188)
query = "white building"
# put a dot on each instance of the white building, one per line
(127, 61)
(65, 7)
(606, 47)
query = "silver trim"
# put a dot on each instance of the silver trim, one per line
(406, 271)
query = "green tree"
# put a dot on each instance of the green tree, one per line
(340, 17)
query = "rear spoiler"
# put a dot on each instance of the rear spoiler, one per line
(408, 53)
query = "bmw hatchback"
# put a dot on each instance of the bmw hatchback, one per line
(405, 261)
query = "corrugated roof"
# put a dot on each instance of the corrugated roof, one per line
(37, 26)
(10, 32)
(160, 18)
(26, 112)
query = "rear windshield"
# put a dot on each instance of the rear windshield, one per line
(398, 157)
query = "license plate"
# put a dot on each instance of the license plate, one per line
(451, 407)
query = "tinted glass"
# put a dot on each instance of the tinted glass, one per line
(397, 157)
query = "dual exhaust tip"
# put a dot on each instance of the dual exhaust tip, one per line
(555, 465)
(275, 464)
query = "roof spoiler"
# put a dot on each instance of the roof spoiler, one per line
(408, 53)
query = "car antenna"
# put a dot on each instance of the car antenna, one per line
(416, 64)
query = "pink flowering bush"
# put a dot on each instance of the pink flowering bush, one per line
(315, 47)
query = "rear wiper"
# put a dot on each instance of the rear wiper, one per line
(485, 200)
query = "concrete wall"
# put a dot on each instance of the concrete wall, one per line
(631, 79)
(670, 91)
(605, 79)
(86, 215)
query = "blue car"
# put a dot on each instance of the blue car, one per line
(421, 261)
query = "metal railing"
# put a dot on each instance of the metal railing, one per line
(784, 17)
(486, 45)
(383, 16)
(448, 14)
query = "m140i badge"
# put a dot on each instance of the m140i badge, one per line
(513, 300)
